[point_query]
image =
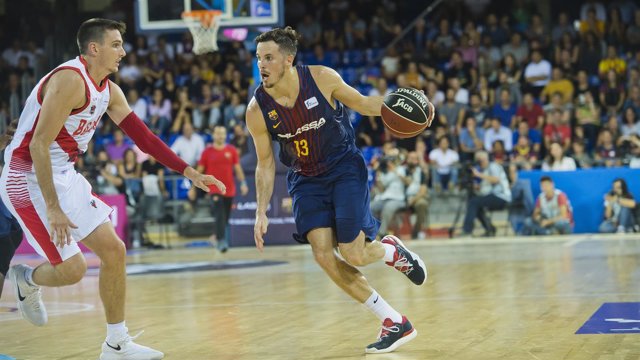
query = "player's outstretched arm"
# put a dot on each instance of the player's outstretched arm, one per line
(265, 170)
(120, 112)
(328, 78)
(62, 93)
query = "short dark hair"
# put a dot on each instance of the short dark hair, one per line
(94, 29)
(443, 137)
(546, 178)
(287, 39)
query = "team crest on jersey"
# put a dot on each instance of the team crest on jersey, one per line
(273, 115)
(92, 110)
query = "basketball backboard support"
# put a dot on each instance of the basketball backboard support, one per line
(164, 16)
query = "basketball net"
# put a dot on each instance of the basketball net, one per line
(204, 25)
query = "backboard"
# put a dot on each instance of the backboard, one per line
(164, 16)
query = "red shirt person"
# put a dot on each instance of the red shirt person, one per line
(222, 160)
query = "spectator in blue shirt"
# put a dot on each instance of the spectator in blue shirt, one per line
(505, 110)
(471, 139)
(535, 138)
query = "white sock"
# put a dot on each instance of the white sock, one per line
(28, 276)
(389, 252)
(116, 331)
(381, 309)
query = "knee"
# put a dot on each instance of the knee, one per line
(113, 251)
(355, 258)
(421, 205)
(72, 270)
(326, 259)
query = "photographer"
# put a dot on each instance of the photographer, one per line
(492, 192)
(553, 211)
(618, 209)
(417, 192)
(390, 192)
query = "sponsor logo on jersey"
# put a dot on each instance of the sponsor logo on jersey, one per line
(85, 127)
(311, 102)
(92, 110)
(273, 115)
(314, 125)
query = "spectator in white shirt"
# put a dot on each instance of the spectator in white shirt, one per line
(444, 170)
(130, 73)
(498, 132)
(137, 104)
(12, 55)
(381, 89)
(188, 146)
(462, 94)
(537, 73)
(556, 161)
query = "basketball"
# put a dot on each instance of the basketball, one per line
(406, 112)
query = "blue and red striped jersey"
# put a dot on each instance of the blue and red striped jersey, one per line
(313, 136)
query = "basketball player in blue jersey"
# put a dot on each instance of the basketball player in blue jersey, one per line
(303, 108)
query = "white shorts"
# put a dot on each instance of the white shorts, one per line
(21, 194)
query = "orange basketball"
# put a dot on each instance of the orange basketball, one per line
(406, 112)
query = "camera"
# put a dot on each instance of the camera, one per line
(465, 177)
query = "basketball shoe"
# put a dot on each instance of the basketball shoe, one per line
(125, 348)
(406, 261)
(29, 296)
(392, 336)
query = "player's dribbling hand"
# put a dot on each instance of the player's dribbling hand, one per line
(60, 227)
(259, 229)
(203, 181)
(433, 110)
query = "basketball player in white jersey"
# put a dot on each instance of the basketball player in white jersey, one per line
(54, 204)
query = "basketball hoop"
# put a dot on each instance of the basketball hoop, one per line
(204, 25)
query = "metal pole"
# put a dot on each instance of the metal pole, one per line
(410, 27)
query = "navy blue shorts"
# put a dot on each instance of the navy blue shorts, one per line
(10, 238)
(337, 199)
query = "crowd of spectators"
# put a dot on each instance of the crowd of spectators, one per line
(558, 92)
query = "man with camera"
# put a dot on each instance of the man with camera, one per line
(492, 192)
(390, 192)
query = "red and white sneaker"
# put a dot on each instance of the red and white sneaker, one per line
(392, 336)
(406, 261)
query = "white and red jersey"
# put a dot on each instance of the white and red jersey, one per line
(74, 137)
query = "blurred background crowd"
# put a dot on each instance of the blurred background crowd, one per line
(554, 88)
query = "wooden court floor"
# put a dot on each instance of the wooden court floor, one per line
(485, 299)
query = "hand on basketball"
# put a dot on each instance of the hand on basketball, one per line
(432, 114)
(433, 110)
(259, 229)
(59, 227)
